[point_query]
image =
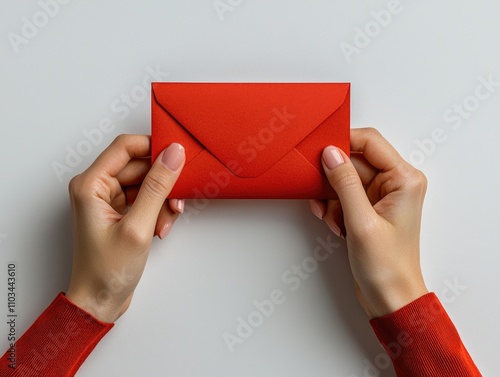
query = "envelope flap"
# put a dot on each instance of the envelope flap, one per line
(250, 126)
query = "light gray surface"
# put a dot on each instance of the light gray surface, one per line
(211, 268)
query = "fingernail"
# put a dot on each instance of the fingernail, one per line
(334, 227)
(316, 210)
(165, 231)
(178, 205)
(173, 156)
(332, 157)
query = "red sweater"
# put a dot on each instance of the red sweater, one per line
(419, 338)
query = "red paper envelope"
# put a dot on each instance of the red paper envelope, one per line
(251, 140)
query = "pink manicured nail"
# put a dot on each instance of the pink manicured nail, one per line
(334, 227)
(165, 231)
(316, 209)
(178, 205)
(332, 157)
(173, 156)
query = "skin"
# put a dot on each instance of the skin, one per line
(379, 213)
(119, 204)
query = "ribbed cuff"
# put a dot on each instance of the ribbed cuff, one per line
(422, 341)
(58, 342)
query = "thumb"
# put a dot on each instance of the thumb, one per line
(155, 188)
(346, 182)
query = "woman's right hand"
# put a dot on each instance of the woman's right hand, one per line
(114, 221)
(379, 212)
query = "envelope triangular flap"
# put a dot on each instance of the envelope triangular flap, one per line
(250, 126)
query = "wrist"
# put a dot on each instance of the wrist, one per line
(387, 299)
(102, 311)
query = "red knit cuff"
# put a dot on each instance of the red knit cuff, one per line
(58, 342)
(421, 340)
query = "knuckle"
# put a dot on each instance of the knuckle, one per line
(121, 139)
(156, 185)
(73, 184)
(345, 179)
(417, 181)
(367, 230)
(82, 188)
(368, 227)
(373, 132)
(77, 187)
(421, 179)
(134, 235)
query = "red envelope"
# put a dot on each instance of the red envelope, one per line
(251, 140)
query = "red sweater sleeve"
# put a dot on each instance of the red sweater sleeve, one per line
(422, 341)
(56, 344)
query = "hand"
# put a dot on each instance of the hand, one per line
(115, 219)
(379, 212)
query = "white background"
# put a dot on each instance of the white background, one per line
(212, 267)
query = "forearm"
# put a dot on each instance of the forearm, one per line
(56, 344)
(422, 341)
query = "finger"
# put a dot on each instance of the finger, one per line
(177, 205)
(376, 149)
(119, 203)
(134, 172)
(365, 170)
(155, 188)
(124, 148)
(165, 221)
(318, 208)
(334, 218)
(346, 182)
